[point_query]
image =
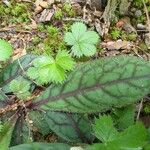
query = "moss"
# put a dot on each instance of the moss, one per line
(16, 12)
(115, 33)
(58, 14)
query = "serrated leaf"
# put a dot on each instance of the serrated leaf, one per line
(41, 146)
(5, 50)
(99, 85)
(20, 87)
(5, 134)
(82, 41)
(50, 69)
(133, 137)
(124, 117)
(14, 70)
(104, 129)
(70, 127)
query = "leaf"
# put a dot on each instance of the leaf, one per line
(98, 86)
(39, 121)
(124, 117)
(14, 70)
(82, 41)
(3, 99)
(20, 87)
(41, 146)
(5, 134)
(104, 129)
(47, 69)
(5, 50)
(70, 127)
(21, 133)
(133, 137)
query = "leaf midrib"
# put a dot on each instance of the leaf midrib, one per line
(86, 89)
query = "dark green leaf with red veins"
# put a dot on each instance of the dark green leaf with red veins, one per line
(99, 85)
(15, 69)
(22, 132)
(70, 127)
(41, 146)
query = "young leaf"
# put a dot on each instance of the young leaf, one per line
(5, 50)
(124, 117)
(20, 87)
(82, 41)
(41, 146)
(70, 127)
(104, 129)
(5, 134)
(47, 69)
(133, 137)
(99, 85)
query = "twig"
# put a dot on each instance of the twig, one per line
(139, 110)
(147, 15)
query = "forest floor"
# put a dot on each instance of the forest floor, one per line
(38, 27)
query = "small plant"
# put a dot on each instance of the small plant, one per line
(82, 41)
(115, 33)
(47, 69)
(20, 87)
(58, 14)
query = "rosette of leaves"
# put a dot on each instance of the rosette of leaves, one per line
(48, 69)
(5, 50)
(82, 41)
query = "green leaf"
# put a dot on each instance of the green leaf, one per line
(133, 137)
(70, 127)
(41, 146)
(47, 69)
(82, 41)
(98, 86)
(20, 87)
(104, 129)
(124, 117)
(3, 99)
(12, 71)
(40, 122)
(21, 133)
(5, 50)
(5, 134)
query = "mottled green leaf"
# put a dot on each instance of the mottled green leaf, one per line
(3, 99)
(41, 146)
(14, 70)
(70, 127)
(99, 85)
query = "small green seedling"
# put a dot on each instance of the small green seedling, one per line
(82, 41)
(47, 69)
(20, 87)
